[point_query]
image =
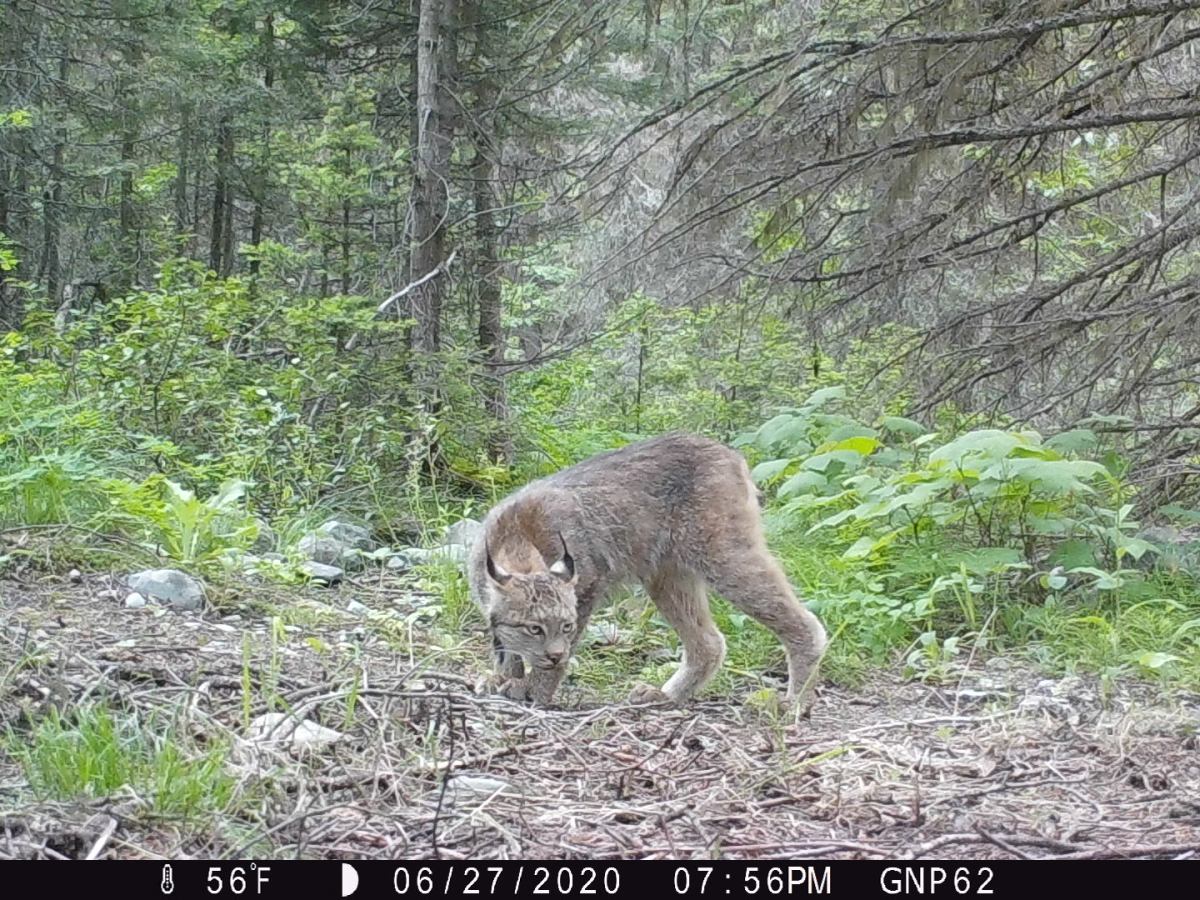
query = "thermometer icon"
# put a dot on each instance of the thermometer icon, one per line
(168, 883)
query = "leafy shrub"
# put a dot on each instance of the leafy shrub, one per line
(919, 538)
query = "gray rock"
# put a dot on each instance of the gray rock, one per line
(135, 601)
(321, 572)
(175, 589)
(403, 560)
(75, 576)
(322, 548)
(481, 786)
(463, 532)
(336, 544)
(358, 609)
(353, 536)
(281, 728)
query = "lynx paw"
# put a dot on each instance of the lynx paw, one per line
(800, 707)
(645, 693)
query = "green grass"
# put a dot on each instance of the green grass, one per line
(94, 752)
(445, 579)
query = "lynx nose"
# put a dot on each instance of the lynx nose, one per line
(555, 656)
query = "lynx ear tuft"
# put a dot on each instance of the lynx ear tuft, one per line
(494, 570)
(564, 567)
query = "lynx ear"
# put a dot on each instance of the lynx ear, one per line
(495, 571)
(564, 568)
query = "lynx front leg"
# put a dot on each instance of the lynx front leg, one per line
(508, 677)
(682, 598)
(541, 684)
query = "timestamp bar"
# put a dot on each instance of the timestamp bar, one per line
(661, 880)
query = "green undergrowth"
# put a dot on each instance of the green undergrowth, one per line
(136, 435)
(95, 752)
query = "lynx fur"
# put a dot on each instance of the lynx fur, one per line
(678, 514)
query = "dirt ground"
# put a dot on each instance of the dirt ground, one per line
(1003, 762)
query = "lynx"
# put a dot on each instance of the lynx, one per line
(677, 513)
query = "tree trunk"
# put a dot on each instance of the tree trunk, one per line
(222, 218)
(487, 263)
(10, 312)
(258, 221)
(50, 273)
(14, 166)
(182, 158)
(346, 235)
(127, 239)
(430, 198)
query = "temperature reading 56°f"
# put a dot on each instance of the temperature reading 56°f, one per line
(238, 879)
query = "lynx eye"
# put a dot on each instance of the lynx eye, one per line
(568, 627)
(535, 629)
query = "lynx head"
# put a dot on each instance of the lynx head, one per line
(533, 613)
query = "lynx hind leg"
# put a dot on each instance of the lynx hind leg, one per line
(753, 581)
(682, 597)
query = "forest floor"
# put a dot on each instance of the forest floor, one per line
(998, 761)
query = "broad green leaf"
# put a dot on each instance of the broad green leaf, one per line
(1156, 660)
(1135, 547)
(851, 431)
(177, 493)
(1074, 554)
(787, 431)
(803, 483)
(866, 545)
(228, 495)
(831, 420)
(1054, 581)
(1105, 581)
(835, 519)
(819, 398)
(864, 446)
(902, 425)
(765, 471)
(822, 461)
(866, 484)
(1053, 476)
(988, 443)
(889, 457)
(1073, 441)
(860, 549)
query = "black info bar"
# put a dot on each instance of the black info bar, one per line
(660, 880)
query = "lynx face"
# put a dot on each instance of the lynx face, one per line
(534, 615)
